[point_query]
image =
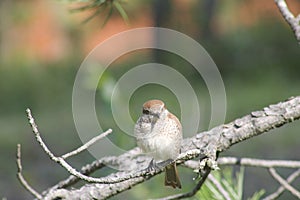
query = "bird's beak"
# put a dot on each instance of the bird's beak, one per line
(155, 118)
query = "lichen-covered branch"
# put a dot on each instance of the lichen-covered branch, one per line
(208, 143)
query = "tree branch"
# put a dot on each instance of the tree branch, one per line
(293, 21)
(250, 162)
(207, 143)
(280, 190)
(284, 183)
(61, 160)
(87, 145)
(21, 178)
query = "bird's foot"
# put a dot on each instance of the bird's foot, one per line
(164, 163)
(153, 167)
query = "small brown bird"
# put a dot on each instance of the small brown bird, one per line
(158, 133)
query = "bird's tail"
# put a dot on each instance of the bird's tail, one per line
(171, 177)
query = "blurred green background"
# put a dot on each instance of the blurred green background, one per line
(43, 45)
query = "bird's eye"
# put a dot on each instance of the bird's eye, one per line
(145, 111)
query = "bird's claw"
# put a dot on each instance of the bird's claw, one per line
(152, 167)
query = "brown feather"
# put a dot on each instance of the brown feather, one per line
(171, 176)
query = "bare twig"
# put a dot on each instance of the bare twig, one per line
(20, 175)
(289, 17)
(281, 189)
(87, 144)
(219, 186)
(87, 169)
(68, 167)
(258, 162)
(248, 162)
(284, 183)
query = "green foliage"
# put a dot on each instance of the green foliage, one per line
(257, 195)
(121, 10)
(100, 6)
(233, 185)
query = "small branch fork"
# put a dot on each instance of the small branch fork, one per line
(207, 143)
(281, 189)
(293, 21)
(61, 160)
(86, 145)
(284, 183)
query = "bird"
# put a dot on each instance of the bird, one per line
(158, 133)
